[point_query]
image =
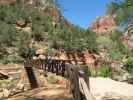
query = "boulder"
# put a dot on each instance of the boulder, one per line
(108, 89)
(21, 23)
(127, 77)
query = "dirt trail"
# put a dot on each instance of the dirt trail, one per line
(48, 92)
(51, 92)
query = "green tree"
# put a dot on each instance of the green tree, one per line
(7, 34)
(73, 38)
(122, 10)
(41, 25)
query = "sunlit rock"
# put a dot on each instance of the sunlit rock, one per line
(103, 25)
(107, 89)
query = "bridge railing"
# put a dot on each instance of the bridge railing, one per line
(74, 73)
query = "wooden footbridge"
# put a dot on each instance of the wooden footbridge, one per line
(74, 73)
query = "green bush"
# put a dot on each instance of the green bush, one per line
(115, 35)
(23, 38)
(104, 71)
(130, 53)
(6, 13)
(119, 50)
(49, 52)
(117, 44)
(41, 25)
(73, 38)
(101, 71)
(116, 54)
(10, 14)
(129, 66)
(14, 58)
(7, 34)
(104, 42)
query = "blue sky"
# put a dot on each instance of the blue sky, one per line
(83, 12)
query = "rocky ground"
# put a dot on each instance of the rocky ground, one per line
(53, 92)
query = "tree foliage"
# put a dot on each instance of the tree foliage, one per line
(40, 25)
(7, 34)
(122, 10)
(74, 38)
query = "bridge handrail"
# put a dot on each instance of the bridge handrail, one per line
(74, 73)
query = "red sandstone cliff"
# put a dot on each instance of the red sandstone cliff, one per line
(103, 25)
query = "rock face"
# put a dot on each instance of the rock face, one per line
(7, 1)
(103, 25)
(52, 12)
(107, 89)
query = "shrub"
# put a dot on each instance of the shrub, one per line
(23, 38)
(104, 71)
(130, 53)
(14, 58)
(10, 14)
(6, 14)
(115, 35)
(104, 42)
(7, 34)
(74, 38)
(40, 25)
(129, 66)
(117, 44)
(49, 52)
(115, 54)
(119, 50)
